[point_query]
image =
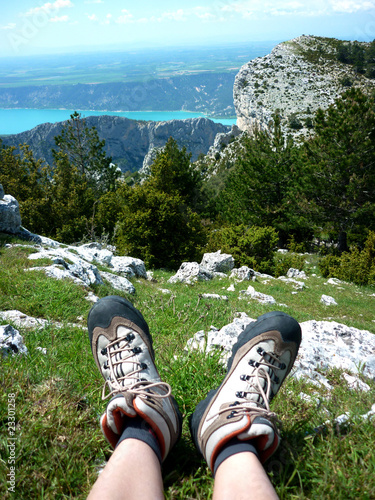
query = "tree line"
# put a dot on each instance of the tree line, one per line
(268, 191)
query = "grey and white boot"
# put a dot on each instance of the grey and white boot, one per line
(122, 347)
(261, 359)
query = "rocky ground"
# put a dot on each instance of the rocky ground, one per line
(296, 78)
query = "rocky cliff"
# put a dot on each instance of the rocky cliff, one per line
(295, 79)
(128, 142)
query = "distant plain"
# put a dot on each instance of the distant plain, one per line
(127, 66)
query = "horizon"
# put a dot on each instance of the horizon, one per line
(67, 26)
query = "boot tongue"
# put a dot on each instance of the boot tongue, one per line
(260, 427)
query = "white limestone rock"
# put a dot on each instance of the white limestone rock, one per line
(297, 285)
(324, 345)
(328, 301)
(190, 272)
(41, 241)
(356, 383)
(22, 320)
(93, 252)
(129, 266)
(243, 273)
(222, 339)
(295, 273)
(10, 218)
(11, 342)
(291, 83)
(217, 262)
(260, 297)
(91, 297)
(334, 281)
(118, 282)
(214, 296)
(73, 267)
(328, 344)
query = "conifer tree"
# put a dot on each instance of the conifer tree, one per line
(85, 152)
(340, 168)
(157, 223)
(261, 188)
(28, 180)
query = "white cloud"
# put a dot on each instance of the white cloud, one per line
(9, 26)
(125, 18)
(92, 17)
(204, 13)
(61, 19)
(93, 1)
(49, 7)
(256, 8)
(351, 6)
(177, 15)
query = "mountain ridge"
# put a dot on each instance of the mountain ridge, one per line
(128, 142)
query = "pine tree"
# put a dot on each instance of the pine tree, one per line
(156, 222)
(340, 167)
(261, 188)
(28, 180)
(85, 152)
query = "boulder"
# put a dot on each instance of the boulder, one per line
(191, 272)
(295, 273)
(328, 301)
(118, 282)
(243, 273)
(325, 344)
(217, 262)
(10, 218)
(11, 342)
(260, 297)
(93, 252)
(129, 266)
(222, 339)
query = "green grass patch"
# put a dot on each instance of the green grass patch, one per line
(59, 445)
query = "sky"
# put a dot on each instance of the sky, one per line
(39, 27)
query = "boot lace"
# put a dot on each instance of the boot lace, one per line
(119, 354)
(258, 405)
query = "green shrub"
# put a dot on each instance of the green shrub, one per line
(250, 246)
(328, 265)
(357, 266)
(159, 228)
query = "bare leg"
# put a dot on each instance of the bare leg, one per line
(133, 473)
(242, 477)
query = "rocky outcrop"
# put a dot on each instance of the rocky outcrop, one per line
(295, 79)
(10, 218)
(325, 344)
(128, 142)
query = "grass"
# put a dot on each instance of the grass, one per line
(59, 446)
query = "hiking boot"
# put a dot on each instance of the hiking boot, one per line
(122, 347)
(261, 359)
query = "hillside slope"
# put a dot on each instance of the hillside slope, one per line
(296, 78)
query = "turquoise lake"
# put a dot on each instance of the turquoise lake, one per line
(14, 121)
